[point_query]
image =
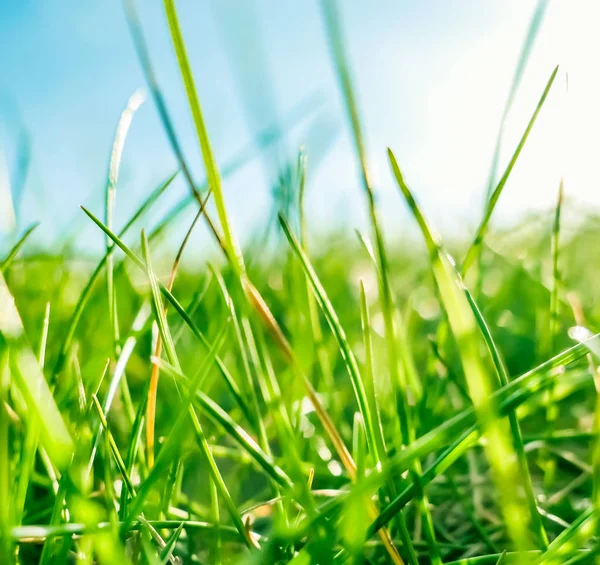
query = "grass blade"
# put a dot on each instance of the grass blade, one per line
(233, 430)
(6, 508)
(133, 104)
(579, 532)
(30, 380)
(474, 248)
(30, 444)
(503, 380)
(5, 265)
(340, 335)
(351, 366)
(167, 551)
(532, 32)
(153, 390)
(499, 447)
(212, 172)
(87, 290)
(179, 309)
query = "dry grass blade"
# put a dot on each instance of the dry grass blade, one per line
(153, 390)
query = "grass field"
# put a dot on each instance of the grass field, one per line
(303, 400)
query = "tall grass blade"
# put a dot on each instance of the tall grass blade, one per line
(153, 390)
(134, 102)
(530, 37)
(499, 447)
(503, 380)
(212, 172)
(475, 247)
(350, 362)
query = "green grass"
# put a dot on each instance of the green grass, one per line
(332, 400)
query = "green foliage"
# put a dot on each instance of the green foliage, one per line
(318, 404)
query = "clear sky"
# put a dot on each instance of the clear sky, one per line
(432, 79)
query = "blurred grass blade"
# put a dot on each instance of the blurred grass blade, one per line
(474, 248)
(6, 507)
(499, 447)
(549, 463)
(32, 434)
(30, 380)
(555, 250)
(4, 266)
(503, 380)
(243, 38)
(530, 37)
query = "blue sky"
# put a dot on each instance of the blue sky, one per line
(432, 78)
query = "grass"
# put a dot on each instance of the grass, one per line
(351, 400)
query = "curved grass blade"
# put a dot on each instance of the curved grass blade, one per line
(4, 266)
(134, 102)
(340, 335)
